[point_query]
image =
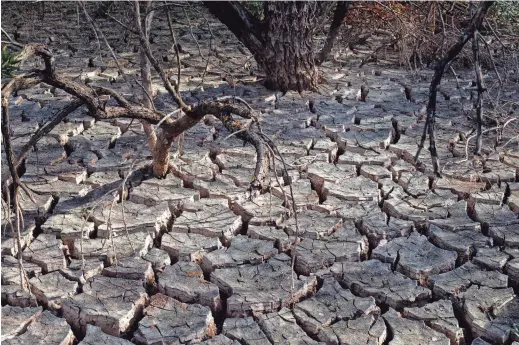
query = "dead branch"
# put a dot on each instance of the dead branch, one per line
(98, 32)
(145, 26)
(175, 48)
(480, 90)
(11, 41)
(338, 19)
(170, 128)
(454, 50)
(44, 130)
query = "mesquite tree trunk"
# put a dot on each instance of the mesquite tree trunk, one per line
(282, 43)
(287, 56)
(160, 147)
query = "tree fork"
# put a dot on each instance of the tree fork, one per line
(171, 128)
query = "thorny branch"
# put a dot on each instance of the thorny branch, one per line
(454, 50)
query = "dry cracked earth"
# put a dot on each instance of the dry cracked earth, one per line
(385, 252)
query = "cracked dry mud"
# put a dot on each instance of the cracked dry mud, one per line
(384, 252)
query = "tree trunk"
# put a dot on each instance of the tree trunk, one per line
(282, 43)
(288, 54)
(161, 154)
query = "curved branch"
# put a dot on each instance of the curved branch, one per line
(44, 130)
(222, 109)
(245, 27)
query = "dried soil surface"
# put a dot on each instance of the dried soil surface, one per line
(385, 252)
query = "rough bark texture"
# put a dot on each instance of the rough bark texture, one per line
(282, 43)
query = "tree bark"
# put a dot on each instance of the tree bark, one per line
(288, 58)
(282, 44)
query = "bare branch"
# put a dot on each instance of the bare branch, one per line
(12, 41)
(338, 19)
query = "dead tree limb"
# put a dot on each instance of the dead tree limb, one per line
(454, 50)
(338, 19)
(480, 90)
(171, 128)
(147, 100)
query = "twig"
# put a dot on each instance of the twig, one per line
(176, 48)
(13, 42)
(96, 29)
(491, 59)
(483, 132)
